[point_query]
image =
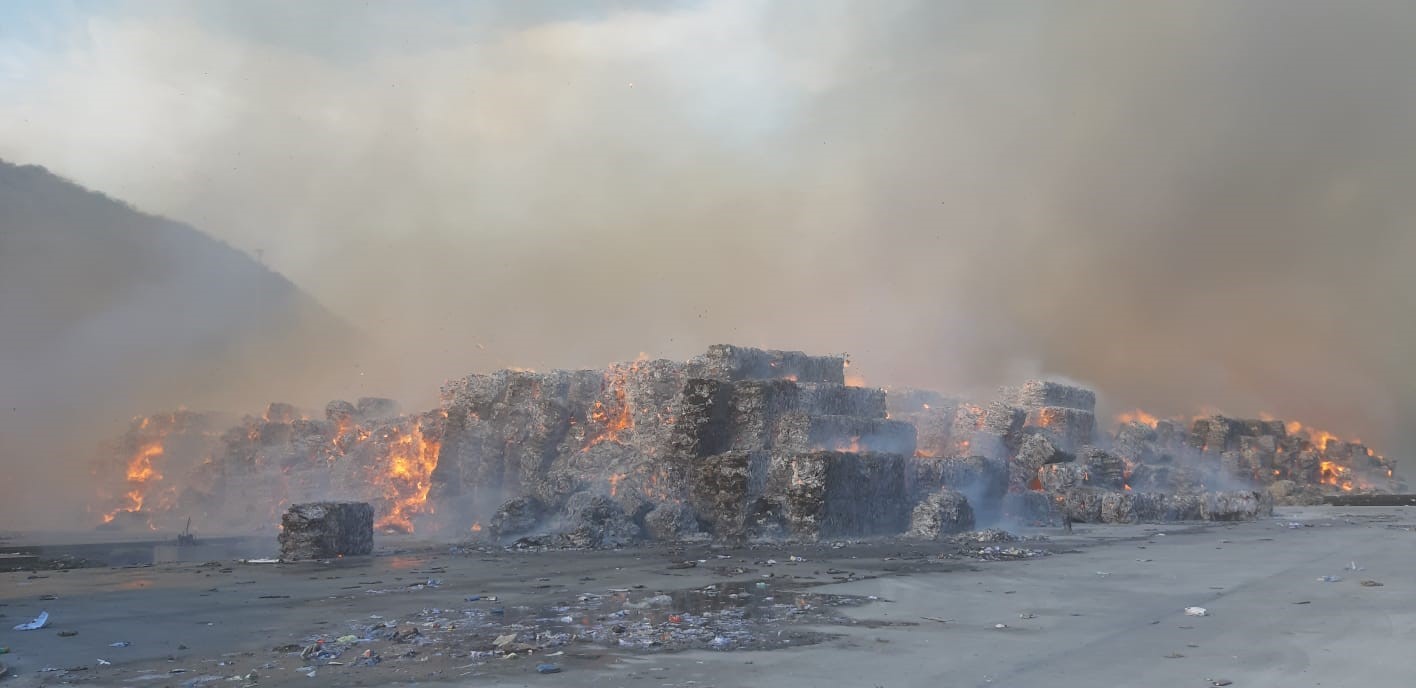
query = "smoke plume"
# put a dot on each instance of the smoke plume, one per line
(1181, 204)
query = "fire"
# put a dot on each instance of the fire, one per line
(1319, 438)
(1138, 416)
(477, 527)
(857, 381)
(407, 477)
(615, 482)
(140, 472)
(1335, 475)
(618, 417)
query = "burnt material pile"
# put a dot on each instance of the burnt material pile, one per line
(735, 444)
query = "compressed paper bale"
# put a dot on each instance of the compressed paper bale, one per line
(724, 486)
(593, 520)
(933, 430)
(727, 362)
(968, 421)
(831, 399)
(670, 521)
(517, 516)
(900, 400)
(1071, 428)
(941, 513)
(829, 494)
(1118, 507)
(1056, 477)
(800, 432)
(321, 530)
(341, 412)
(1234, 505)
(1104, 469)
(1031, 507)
(279, 412)
(1006, 422)
(376, 408)
(1039, 393)
(1082, 504)
(1035, 452)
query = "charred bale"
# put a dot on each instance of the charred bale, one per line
(376, 408)
(592, 521)
(1104, 469)
(1234, 505)
(670, 521)
(1035, 452)
(1070, 428)
(723, 490)
(517, 516)
(827, 494)
(982, 479)
(321, 530)
(1056, 477)
(941, 513)
(1082, 504)
(1030, 507)
(1040, 393)
(801, 432)
(727, 362)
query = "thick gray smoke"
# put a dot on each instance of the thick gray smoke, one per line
(1182, 204)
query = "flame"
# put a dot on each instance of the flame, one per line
(1336, 475)
(407, 477)
(1128, 488)
(926, 406)
(856, 381)
(615, 482)
(477, 527)
(1137, 416)
(618, 417)
(925, 454)
(1319, 438)
(140, 471)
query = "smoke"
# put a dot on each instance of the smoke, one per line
(1182, 204)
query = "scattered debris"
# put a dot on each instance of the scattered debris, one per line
(39, 622)
(1371, 584)
(1196, 611)
(548, 668)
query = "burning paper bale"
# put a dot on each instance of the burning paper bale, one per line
(323, 530)
(734, 444)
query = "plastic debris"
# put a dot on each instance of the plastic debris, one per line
(1196, 611)
(260, 561)
(1220, 682)
(1329, 579)
(1371, 584)
(121, 643)
(103, 662)
(39, 622)
(351, 638)
(67, 634)
(548, 668)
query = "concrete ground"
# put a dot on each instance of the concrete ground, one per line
(1109, 611)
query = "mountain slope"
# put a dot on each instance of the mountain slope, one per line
(106, 312)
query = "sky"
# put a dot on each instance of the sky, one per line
(1198, 205)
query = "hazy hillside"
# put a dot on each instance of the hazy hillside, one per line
(106, 312)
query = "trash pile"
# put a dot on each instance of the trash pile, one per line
(722, 617)
(735, 445)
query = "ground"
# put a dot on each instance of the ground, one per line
(1107, 608)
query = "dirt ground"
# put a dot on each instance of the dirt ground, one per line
(1106, 608)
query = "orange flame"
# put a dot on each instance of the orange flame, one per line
(1137, 416)
(477, 527)
(618, 417)
(407, 477)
